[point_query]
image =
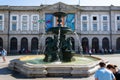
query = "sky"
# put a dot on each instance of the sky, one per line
(71, 2)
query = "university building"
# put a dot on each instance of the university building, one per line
(97, 27)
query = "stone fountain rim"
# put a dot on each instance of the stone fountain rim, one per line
(60, 65)
(52, 70)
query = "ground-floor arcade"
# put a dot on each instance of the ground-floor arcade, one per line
(34, 43)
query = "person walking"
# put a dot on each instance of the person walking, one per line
(103, 73)
(3, 54)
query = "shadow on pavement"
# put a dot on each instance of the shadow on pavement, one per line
(5, 71)
(17, 75)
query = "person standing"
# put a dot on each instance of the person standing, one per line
(103, 73)
(115, 70)
(3, 53)
(90, 52)
(117, 73)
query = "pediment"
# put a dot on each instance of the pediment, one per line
(60, 7)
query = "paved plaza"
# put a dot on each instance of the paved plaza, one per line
(6, 74)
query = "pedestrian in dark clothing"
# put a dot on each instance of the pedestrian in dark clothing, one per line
(117, 73)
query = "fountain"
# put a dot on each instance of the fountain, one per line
(59, 59)
(59, 49)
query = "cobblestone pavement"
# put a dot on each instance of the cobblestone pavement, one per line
(6, 74)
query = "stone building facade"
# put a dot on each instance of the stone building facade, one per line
(97, 27)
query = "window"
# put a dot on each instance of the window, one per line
(34, 24)
(105, 22)
(24, 18)
(14, 26)
(14, 17)
(84, 21)
(118, 22)
(0, 25)
(118, 26)
(14, 22)
(105, 26)
(24, 26)
(84, 18)
(84, 26)
(94, 23)
(94, 26)
(94, 18)
(1, 22)
(35, 18)
(118, 17)
(104, 17)
(0, 17)
(24, 22)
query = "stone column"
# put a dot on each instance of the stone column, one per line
(19, 43)
(100, 43)
(78, 25)
(90, 42)
(6, 30)
(29, 43)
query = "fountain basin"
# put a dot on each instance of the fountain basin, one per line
(71, 69)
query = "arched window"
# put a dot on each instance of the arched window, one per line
(118, 44)
(95, 44)
(1, 42)
(85, 44)
(105, 43)
(13, 44)
(24, 43)
(34, 44)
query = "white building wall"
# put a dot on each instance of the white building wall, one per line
(79, 11)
